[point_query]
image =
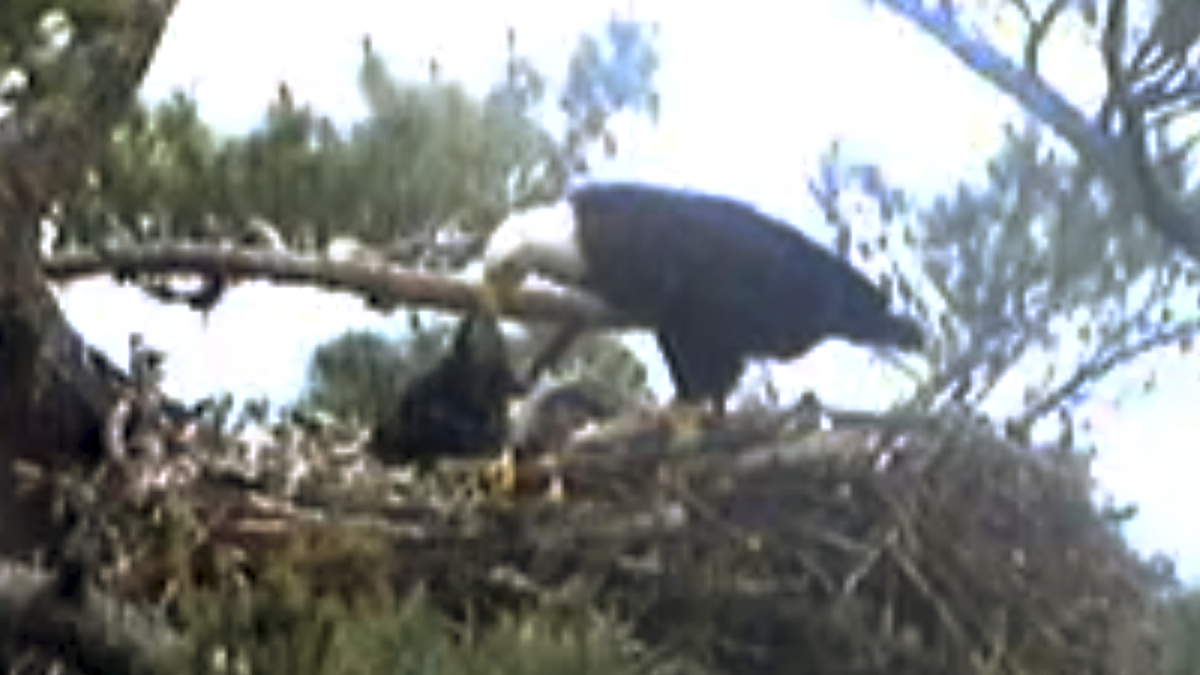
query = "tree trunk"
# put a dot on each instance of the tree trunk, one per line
(54, 399)
(55, 392)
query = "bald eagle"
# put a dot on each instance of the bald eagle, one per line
(717, 281)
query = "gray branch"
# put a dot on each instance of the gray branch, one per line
(1100, 365)
(1095, 147)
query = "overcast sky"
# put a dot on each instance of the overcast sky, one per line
(752, 94)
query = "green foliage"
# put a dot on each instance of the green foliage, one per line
(32, 34)
(429, 159)
(547, 643)
(66, 70)
(323, 583)
(323, 605)
(265, 631)
(1181, 634)
(156, 180)
(429, 153)
(271, 631)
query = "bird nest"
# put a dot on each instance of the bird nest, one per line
(769, 550)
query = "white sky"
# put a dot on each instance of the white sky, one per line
(751, 96)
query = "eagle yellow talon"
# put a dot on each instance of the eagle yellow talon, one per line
(508, 478)
(499, 288)
(686, 423)
(502, 473)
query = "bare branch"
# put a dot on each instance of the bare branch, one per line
(1025, 10)
(379, 284)
(998, 364)
(957, 375)
(1159, 206)
(1095, 147)
(1162, 94)
(1038, 31)
(1172, 37)
(1112, 49)
(1102, 364)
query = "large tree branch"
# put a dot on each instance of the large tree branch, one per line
(381, 285)
(1095, 147)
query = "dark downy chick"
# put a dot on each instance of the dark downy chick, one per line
(457, 408)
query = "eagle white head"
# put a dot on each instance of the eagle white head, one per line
(543, 241)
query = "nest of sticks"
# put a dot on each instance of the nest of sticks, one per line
(765, 548)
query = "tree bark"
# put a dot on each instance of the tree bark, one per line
(55, 391)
